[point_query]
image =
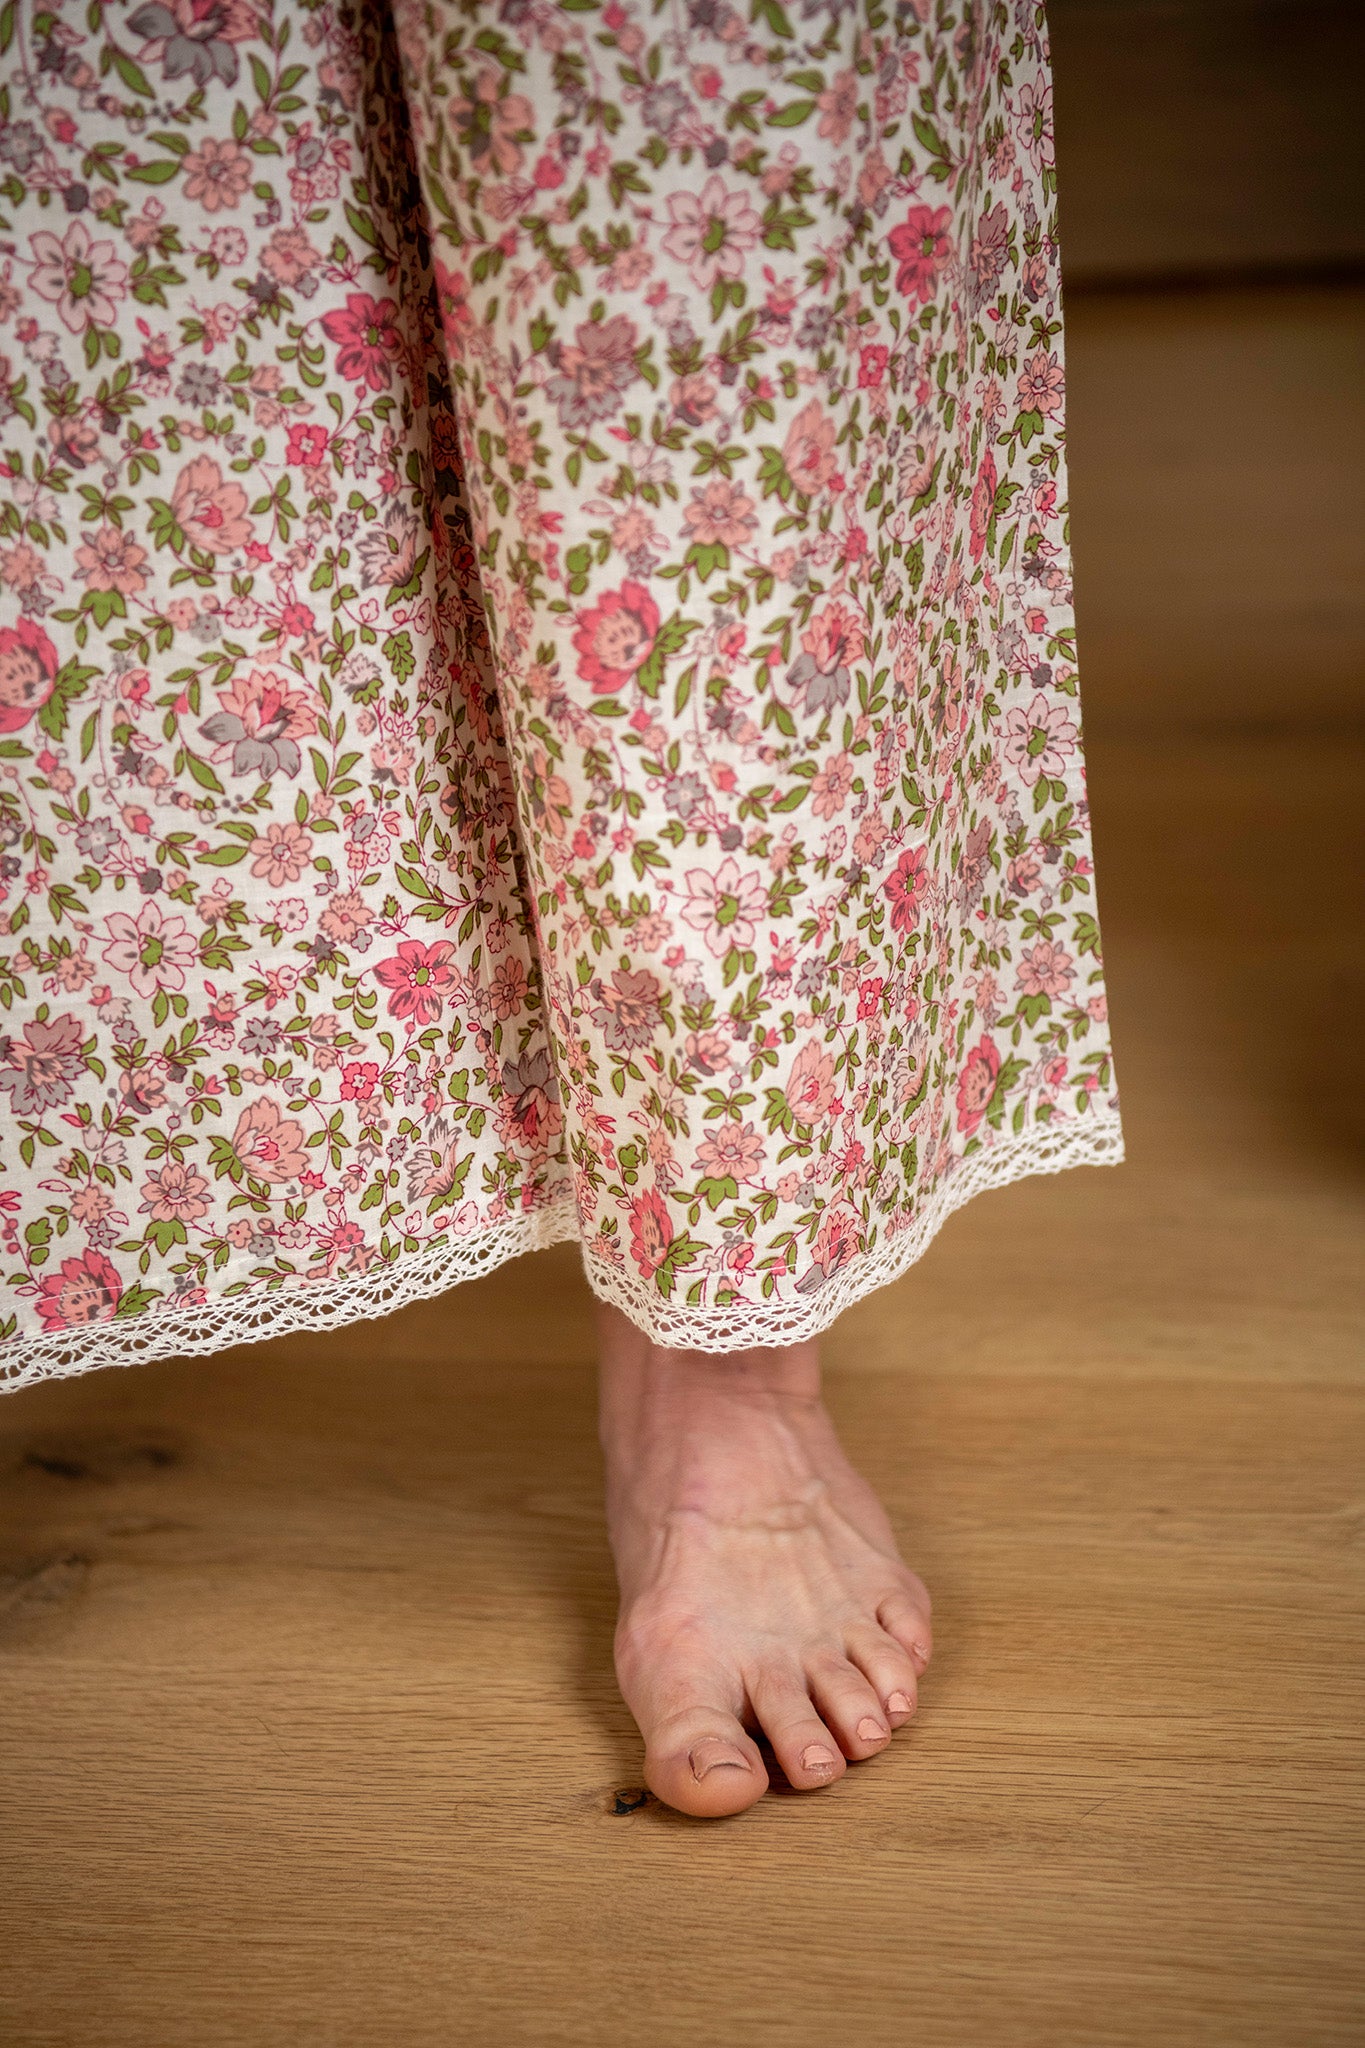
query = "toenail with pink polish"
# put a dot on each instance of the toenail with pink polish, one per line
(707, 1756)
(870, 1730)
(817, 1758)
(899, 1703)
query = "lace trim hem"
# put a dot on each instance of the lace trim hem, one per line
(329, 1305)
(750, 1326)
(284, 1310)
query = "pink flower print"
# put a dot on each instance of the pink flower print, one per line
(226, 245)
(418, 978)
(76, 437)
(216, 174)
(306, 446)
(976, 1085)
(720, 515)
(712, 232)
(452, 301)
(831, 643)
(268, 1143)
(838, 105)
(917, 465)
(492, 125)
(808, 454)
(175, 1193)
(652, 932)
(1025, 872)
(209, 508)
(725, 907)
(359, 1079)
(112, 560)
(830, 786)
(21, 567)
(693, 398)
(810, 1084)
(366, 332)
(43, 1066)
(1034, 121)
(615, 637)
(289, 255)
(1042, 384)
(731, 1152)
(837, 1242)
(194, 38)
(262, 717)
(282, 853)
(594, 371)
(983, 504)
(528, 1111)
(508, 988)
(872, 362)
(922, 248)
(28, 672)
(990, 248)
(878, 442)
(1039, 741)
(904, 888)
(85, 1290)
(651, 1232)
(1047, 969)
(627, 1010)
(948, 697)
(84, 279)
(154, 951)
(548, 793)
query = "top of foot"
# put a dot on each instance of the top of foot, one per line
(761, 1589)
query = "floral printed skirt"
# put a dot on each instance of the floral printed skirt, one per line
(537, 678)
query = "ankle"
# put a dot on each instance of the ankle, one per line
(641, 1383)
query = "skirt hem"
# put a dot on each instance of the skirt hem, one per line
(1098, 1141)
(210, 1326)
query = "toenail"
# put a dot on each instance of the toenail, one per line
(817, 1758)
(870, 1730)
(918, 1651)
(713, 1752)
(899, 1703)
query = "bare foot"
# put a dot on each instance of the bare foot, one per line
(761, 1590)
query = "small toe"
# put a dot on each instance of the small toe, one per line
(702, 1762)
(850, 1707)
(889, 1670)
(806, 1749)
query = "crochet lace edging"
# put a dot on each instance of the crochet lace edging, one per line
(284, 1310)
(329, 1305)
(752, 1326)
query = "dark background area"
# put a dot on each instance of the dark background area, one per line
(1209, 139)
(1211, 159)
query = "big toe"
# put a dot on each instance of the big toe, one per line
(703, 1763)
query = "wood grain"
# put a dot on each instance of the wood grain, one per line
(310, 1734)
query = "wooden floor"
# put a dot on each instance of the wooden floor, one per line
(308, 1731)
